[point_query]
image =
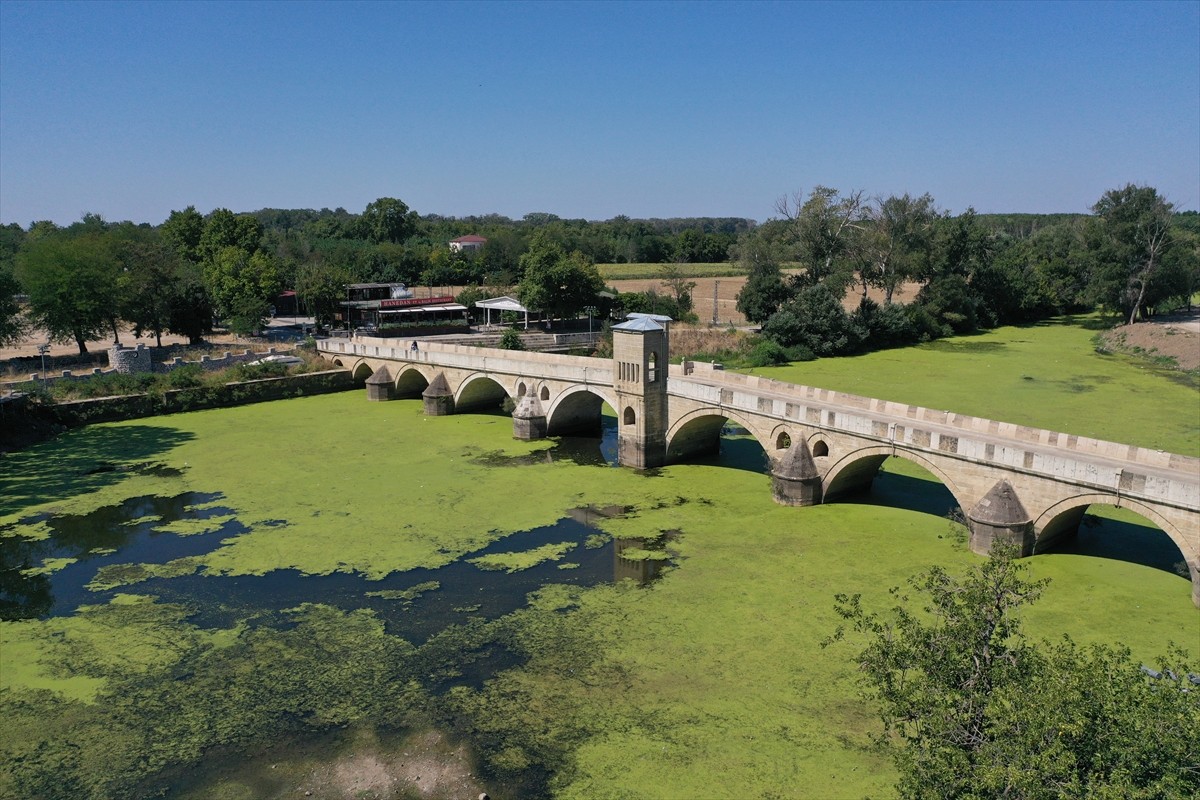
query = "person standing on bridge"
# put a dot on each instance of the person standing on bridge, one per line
(414, 346)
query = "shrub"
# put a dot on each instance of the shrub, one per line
(767, 353)
(511, 340)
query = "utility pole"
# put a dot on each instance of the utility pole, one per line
(716, 284)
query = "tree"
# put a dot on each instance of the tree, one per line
(225, 229)
(182, 231)
(191, 306)
(826, 227)
(12, 325)
(72, 285)
(147, 285)
(387, 220)
(561, 285)
(759, 253)
(975, 710)
(322, 286)
(895, 242)
(1135, 225)
(673, 278)
(242, 287)
(816, 320)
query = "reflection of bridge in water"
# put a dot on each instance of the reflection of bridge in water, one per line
(1014, 483)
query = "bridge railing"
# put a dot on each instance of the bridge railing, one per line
(579, 369)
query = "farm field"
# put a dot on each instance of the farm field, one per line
(300, 590)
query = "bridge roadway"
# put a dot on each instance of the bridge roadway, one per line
(1046, 479)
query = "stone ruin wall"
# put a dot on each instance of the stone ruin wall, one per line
(132, 360)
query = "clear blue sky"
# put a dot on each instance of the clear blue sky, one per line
(590, 110)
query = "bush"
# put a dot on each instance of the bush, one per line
(186, 377)
(815, 320)
(511, 340)
(884, 326)
(767, 353)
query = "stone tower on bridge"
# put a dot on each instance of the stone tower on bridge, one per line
(640, 379)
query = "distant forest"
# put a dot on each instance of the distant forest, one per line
(977, 269)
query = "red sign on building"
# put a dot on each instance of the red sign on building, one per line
(409, 302)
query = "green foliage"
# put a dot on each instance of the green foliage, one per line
(976, 710)
(651, 302)
(182, 231)
(321, 286)
(1133, 237)
(767, 353)
(760, 254)
(242, 285)
(815, 320)
(72, 282)
(511, 340)
(387, 220)
(12, 324)
(561, 285)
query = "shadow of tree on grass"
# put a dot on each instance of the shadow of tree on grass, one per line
(79, 462)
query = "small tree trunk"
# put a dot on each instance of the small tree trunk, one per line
(79, 340)
(158, 338)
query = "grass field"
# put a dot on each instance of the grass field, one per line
(710, 683)
(617, 272)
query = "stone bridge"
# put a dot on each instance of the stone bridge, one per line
(1014, 483)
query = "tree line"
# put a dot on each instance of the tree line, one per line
(87, 278)
(1133, 255)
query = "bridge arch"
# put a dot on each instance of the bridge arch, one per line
(479, 392)
(857, 469)
(699, 433)
(362, 370)
(411, 382)
(575, 409)
(1063, 518)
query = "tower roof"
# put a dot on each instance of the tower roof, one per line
(639, 325)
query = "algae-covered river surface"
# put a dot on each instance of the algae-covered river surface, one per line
(246, 602)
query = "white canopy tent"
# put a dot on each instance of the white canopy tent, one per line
(503, 304)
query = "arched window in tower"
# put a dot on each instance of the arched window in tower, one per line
(820, 449)
(629, 416)
(652, 368)
(521, 389)
(545, 393)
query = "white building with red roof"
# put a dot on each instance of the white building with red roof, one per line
(467, 243)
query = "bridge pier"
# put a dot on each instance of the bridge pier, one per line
(529, 420)
(795, 479)
(1000, 517)
(437, 397)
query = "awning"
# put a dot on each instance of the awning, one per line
(419, 309)
(502, 304)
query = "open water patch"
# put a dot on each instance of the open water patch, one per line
(419, 603)
(48, 577)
